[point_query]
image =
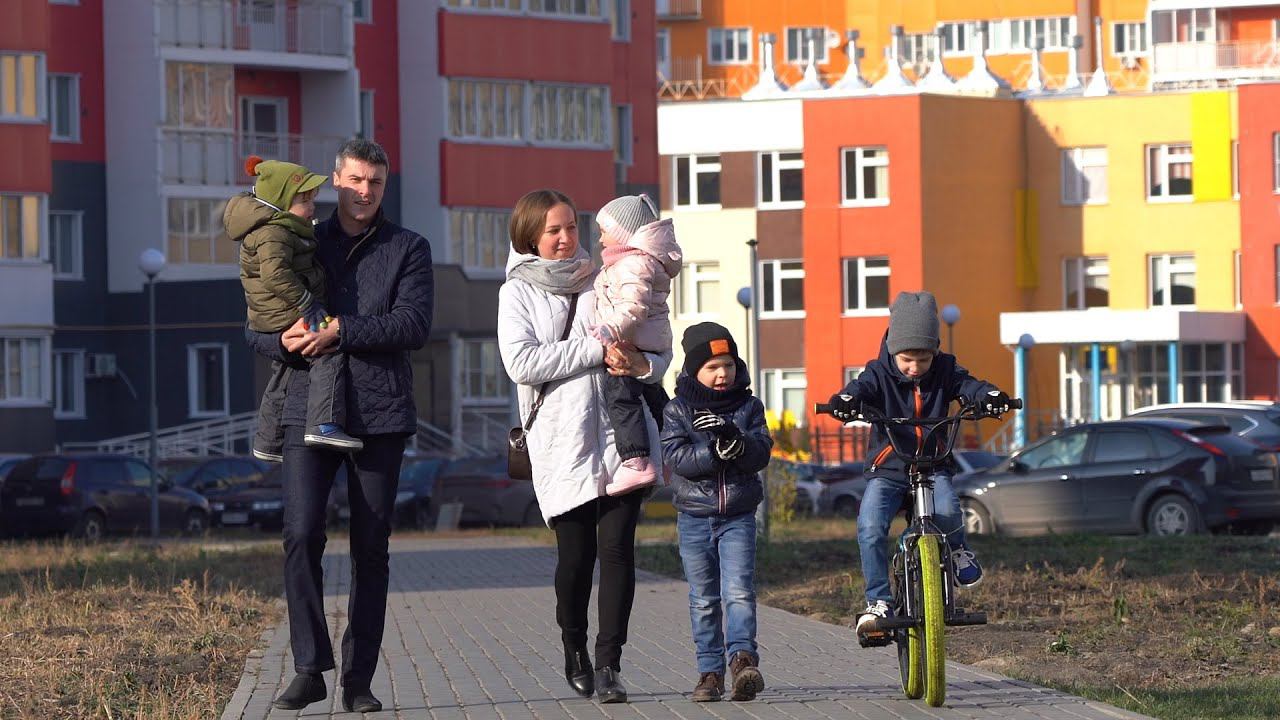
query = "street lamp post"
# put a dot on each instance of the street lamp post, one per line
(152, 262)
(747, 299)
(951, 316)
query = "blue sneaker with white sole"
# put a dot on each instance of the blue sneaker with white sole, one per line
(968, 571)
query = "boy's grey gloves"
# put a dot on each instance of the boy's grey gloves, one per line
(315, 317)
(729, 448)
(995, 402)
(707, 421)
(845, 408)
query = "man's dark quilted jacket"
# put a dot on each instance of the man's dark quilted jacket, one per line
(380, 286)
(706, 485)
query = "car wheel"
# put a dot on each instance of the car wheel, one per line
(91, 528)
(846, 507)
(977, 521)
(195, 523)
(1172, 515)
(422, 516)
(533, 516)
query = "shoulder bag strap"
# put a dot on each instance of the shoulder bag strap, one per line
(542, 391)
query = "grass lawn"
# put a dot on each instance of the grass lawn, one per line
(122, 630)
(1177, 628)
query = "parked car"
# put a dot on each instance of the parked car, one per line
(842, 490)
(6, 464)
(211, 476)
(414, 506)
(1257, 420)
(1161, 476)
(659, 504)
(258, 503)
(488, 495)
(89, 496)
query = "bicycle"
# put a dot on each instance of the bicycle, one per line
(922, 572)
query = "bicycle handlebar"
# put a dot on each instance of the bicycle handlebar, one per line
(877, 416)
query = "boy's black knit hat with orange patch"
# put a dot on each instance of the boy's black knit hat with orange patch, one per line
(704, 341)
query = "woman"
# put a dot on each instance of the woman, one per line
(570, 443)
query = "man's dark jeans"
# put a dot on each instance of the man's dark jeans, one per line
(326, 399)
(372, 476)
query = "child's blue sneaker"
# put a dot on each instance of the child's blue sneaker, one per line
(329, 435)
(968, 571)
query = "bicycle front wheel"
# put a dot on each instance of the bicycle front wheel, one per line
(911, 640)
(935, 647)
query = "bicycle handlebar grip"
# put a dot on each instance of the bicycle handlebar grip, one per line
(824, 408)
(1015, 404)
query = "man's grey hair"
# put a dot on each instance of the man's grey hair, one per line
(361, 149)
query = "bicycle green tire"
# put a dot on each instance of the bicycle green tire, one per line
(935, 642)
(913, 676)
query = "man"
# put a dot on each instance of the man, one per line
(380, 294)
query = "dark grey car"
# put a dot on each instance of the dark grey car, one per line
(1256, 420)
(1159, 476)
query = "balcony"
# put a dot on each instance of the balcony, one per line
(299, 34)
(1199, 63)
(679, 9)
(216, 157)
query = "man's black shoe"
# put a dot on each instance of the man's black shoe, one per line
(305, 689)
(608, 688)
(577, 670)
(361, 701)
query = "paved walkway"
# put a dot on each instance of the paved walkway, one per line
(471, 635)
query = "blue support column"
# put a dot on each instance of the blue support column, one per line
(1173, 372)
(1019, 390)
(1095, 381)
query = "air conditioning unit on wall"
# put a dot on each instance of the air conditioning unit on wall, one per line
(100, 365)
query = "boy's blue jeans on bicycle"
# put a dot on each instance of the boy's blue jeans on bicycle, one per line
(719, 558)
(880, 503)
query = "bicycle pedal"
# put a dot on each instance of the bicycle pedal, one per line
(967, 618)
(874, 639)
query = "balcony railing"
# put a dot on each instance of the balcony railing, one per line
(1215, 61)
(303, 27)
(216, 157)
(679, 9)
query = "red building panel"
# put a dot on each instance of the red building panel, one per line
(1260, 237)
(26, 167)
(377, 59)
(496, 176)
(79, 52)
(24, 25)
(256, 82)
(525, 48)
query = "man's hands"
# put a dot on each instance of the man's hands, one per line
(311, 343)
(845, 408)
(996, 402)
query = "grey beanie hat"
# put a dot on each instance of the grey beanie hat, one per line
(913, 322)
(629, 212)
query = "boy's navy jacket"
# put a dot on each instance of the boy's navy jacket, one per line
(704, 484)
(885, 388)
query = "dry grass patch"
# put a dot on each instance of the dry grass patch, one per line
(122, 630)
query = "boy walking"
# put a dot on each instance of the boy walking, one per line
(911, 378)
(715, 440)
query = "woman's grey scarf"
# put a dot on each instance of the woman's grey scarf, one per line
(558, 277)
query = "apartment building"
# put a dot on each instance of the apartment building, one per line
(131, 130)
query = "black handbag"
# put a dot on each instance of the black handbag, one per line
(519, 466)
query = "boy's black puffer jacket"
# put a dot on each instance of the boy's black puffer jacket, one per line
(704, 484)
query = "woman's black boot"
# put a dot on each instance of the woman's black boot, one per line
(577, 670)
(609, 688)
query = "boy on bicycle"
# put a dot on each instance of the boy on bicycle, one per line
(911, 378)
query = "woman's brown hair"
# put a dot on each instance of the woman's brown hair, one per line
(529, 218)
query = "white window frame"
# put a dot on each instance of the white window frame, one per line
(213, 208)
(496, 7)
(774, 382)
(1076, 270)
(1127, 33)
(851, 373)
(64, 2)
(623, 135)
(76, 242)
(1165, 164)
(620, 19)
(695, 169)
(41, 217)
(565, 9)
(77, 410)
(73, 111)
(41, 88)
(1170, 264)
(364, 13)
(27, 342)
(716, 40)
(193, 381)
(779, 274)
(1235, 169)
(1275, 161)
(859, 199)
(1239, 291)
(692, 275)
(959, 33)
(859, 308)
(917, 49)
(1076, 185)
(1017, 34)
(503, 383)
(462, 119)
(367, 116)
(800, 55)
(558, 102)
(662, 53)
(1276, 275)
(466, 246)
(777, 165)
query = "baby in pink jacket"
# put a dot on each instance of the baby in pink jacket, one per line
(640, 258)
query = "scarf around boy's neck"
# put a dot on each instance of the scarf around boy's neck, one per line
(720, 402)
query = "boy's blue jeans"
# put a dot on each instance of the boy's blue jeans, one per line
(880, 503)
(719, 558)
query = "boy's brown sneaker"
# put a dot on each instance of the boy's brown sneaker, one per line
(710, 687)
(747, 680)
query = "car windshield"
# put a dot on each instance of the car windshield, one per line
(981, 459)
